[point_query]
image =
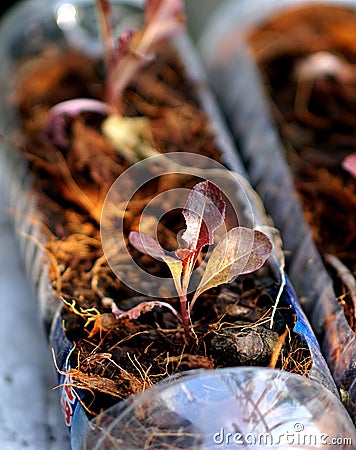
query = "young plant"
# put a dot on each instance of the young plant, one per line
(124, 57)
(163, 19)
(240, 251)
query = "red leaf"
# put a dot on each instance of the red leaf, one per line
(204, 212)
(141, 308)
(184, 253)
(145, 244)
(124, 42)
(164, 18)
(349, 164)
(105, 7)
(149, 246)
(70, 108)
(104, 17)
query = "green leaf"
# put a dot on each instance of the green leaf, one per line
(176, 267)
(241, 251)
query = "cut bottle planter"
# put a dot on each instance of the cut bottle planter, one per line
(80, 374)
(227, 49)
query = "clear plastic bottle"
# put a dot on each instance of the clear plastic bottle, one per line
(240, 407)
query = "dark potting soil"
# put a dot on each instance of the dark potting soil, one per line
(114, 358)
(307, 56)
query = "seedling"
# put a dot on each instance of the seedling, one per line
(124, 57)
(163, 19)
(240, 251)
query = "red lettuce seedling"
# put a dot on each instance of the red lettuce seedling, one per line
(240, 251)
(163, 20)
(124, 57)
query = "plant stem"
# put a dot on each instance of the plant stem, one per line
(185, 316)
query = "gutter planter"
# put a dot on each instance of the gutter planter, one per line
(289, 66)
(122, 232)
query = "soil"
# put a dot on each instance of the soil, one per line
(307, 56)
(112, 357)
